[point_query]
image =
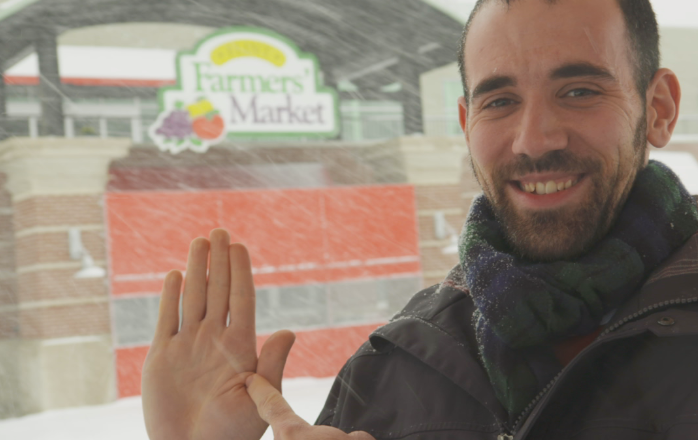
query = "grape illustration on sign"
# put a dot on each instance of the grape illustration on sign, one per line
(243, 83)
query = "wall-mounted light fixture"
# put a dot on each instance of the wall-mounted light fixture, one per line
(442, 230)
(78, 252)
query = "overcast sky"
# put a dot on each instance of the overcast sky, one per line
(670, 13)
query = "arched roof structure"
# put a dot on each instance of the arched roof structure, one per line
(370, 42)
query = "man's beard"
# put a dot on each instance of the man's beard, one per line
(567, 232)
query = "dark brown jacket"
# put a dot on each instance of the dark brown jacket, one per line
(418, 377)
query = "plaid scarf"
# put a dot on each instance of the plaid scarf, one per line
(524, 307)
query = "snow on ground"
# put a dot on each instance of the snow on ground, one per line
(123, 420)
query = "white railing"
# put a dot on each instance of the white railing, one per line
(359, 123)
(130, 113)
(371, 126)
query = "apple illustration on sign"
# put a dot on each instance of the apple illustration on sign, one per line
(209, 126)
(206, 122)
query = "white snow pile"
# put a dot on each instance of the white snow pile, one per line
(123, 420)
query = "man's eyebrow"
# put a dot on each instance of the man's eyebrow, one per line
(492, 83)
(574, 70)
(571, 70)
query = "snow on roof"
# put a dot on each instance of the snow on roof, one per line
(684, 164)
(9, 7)
(102, 65)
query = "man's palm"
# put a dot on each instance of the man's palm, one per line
(194, 377)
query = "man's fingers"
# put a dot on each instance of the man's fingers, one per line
(273, 355)
(361, 435)
(271, 405)
(242, 296)
(286, 424)
(168, 315)
(194, 302)
(218, 287)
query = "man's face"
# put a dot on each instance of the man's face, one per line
(555, 125)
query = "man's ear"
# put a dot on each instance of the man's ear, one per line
(663, 99)
(463, 117)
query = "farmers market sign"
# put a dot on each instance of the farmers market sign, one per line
(243, 82)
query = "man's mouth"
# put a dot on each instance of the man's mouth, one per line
(549, 186)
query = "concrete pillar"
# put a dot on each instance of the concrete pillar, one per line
(329, 80)
(3, 103)
(58, 351)
(9, 322)
(410, 97)
(411, 65)
(50, 95)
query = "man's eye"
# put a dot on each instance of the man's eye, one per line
(498, 103)
(581, 93)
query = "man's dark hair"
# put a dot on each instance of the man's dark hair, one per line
(643, 36)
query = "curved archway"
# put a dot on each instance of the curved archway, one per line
(375, 43)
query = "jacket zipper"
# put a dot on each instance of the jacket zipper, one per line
(510, 434)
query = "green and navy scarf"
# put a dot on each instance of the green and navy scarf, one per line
(523, 307)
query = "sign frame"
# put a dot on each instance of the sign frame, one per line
(317, 81)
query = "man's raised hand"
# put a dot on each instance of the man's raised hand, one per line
(286, 425)
(194, 375)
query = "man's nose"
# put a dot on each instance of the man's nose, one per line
(540, 131)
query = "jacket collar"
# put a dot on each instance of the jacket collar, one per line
(675, 281)
(435, 326)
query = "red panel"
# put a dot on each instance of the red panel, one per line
(377, 227)
(294, 236)
(113, 82)
(119, 82)
(317, 353)
(150, 233)
(129, 364)
(21, 80)
(387, 216)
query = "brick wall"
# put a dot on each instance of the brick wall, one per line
(65, 321)
(453, 201)
(149, 169)
(57, 210)
(52, 302)
(430, 200)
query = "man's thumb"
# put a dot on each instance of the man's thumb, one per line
(272, 357)
(271, 405)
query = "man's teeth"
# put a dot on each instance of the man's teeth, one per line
(547, 188)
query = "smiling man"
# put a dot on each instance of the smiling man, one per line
(557, 117)
(573, 313)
